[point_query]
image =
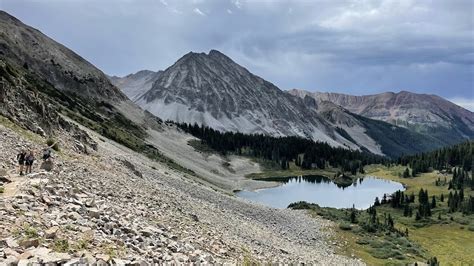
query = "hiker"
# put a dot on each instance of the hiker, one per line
(47, 154)
(21, 157)
(30, 158)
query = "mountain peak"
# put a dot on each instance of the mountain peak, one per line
(140, 73)
(216, 53)
(212, 55)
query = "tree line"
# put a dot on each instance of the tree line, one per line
(460, 155)
(304, 152)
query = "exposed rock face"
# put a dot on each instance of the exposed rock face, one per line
(67, 71)
(38, 75)
(421, 112)
(41, 79)
(135, 85)
(213, 90)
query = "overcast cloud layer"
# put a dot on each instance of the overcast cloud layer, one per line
(355, 47)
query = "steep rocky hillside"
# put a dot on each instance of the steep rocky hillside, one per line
(43, 81)
(427, 114)
(52, 62)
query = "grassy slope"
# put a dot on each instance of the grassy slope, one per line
(24, 132)
(450, 241)
(375, 248)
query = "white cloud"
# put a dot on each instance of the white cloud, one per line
(237, 4)
(199, 12)
(464, 102)
(351, 46)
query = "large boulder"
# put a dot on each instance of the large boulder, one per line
(47, 165)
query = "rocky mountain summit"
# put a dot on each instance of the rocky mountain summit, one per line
(213, 90)
(429, 114)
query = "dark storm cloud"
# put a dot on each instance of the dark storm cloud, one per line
(356, 47)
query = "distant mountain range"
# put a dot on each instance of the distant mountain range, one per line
(211, 89)
(429, 114)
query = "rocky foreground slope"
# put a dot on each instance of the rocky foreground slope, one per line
(116, 206)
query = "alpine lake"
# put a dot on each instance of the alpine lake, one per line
(323, 191)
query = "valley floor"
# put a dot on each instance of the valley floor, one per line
(116, 205)
(450, 238)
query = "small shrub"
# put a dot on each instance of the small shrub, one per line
(83, 244)
(2, 189)
(387, 252)
(463, 221)
(52, 141)
(414, 250)
(300, 205)
(30, 232)
(61, 245)
(471, 227)
(345, 226)
(402, 241)
(363, 241)
(380, 253)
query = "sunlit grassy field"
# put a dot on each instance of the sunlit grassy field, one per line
(448, 236)
(450, 239)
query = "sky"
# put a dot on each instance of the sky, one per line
(354, 47)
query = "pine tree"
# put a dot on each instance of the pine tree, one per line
(390, 221)
(406, 173)
(407, 210)
(353, 216)
(433, 262)
(377, 201)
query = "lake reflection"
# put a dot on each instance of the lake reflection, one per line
(322, 191)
